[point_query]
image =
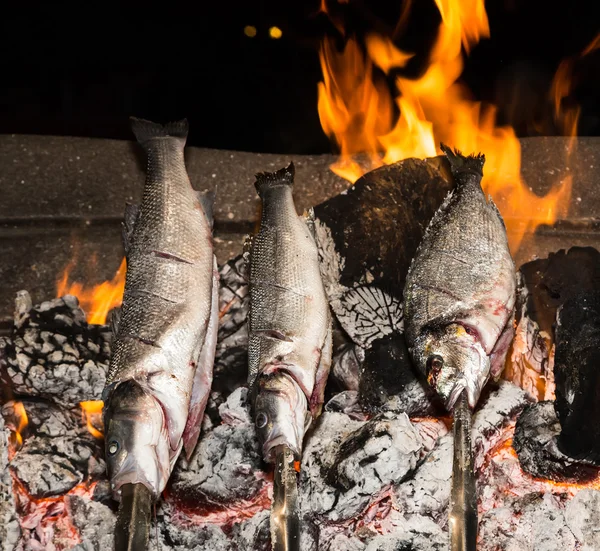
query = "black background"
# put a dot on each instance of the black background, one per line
(82, 69)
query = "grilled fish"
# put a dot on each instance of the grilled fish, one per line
(460, 290)
(289, 322)
(161, 368)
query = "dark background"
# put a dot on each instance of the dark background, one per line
(82, 69)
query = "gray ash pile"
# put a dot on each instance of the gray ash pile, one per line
(369, 481)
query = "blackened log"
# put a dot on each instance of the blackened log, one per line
(378, 223)
(577, 376)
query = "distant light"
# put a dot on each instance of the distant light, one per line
(250, 31)
(275, 32)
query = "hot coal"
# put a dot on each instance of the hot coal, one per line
(53, 353)
(388, 382)
(577, 376)
(535, 442)
(543, 286)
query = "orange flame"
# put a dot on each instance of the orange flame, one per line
(91, 413)
(21, 416)
(357, 112)
(98, 300)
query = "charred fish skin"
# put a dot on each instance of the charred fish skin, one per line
(289, 322)
(460, 289)
(155, 385)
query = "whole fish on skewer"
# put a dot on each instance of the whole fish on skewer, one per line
(161, 369)
(458, 316)
(289, 341)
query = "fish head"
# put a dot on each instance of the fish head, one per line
(280, 413)
(137, 448)
(453, 360)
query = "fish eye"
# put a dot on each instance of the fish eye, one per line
(261, 420)
(434, 366)
(113, 447)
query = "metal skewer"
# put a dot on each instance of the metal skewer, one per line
(133, 519)
(463, 498)
(285, 522)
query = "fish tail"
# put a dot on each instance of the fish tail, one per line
(461, 164)
(146, 130)
(270, 180)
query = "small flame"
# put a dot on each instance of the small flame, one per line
(356, 111)
(98, 300)
(23, 421)
(91, 412)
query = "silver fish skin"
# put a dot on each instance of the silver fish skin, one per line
(460, 290)
(162, 356)
(289, 321)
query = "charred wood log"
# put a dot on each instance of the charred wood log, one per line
(577, 376)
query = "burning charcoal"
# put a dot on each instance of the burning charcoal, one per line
(231, 359)
(53, 353)
(95, 523)
(345, 366)
(347, 402)
(347, 463)
(535, 522)
(388, 381)
(416, 533)
(10, 531)
(577, 377)
(535, 438)
(254, 533)
(583, 518)
(341, 542)
(53, 466)
(544, 285)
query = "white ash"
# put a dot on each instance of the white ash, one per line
(360, 459)
(53, 353)
(226, 465)
(94, 521)
(10, 531)
(582, 514)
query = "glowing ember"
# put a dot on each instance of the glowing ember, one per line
(356, 111)
(92, 414)
(98, 300)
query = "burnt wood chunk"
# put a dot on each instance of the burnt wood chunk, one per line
(577, 376)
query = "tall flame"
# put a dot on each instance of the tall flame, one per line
(357, 112)
(96, 301)
(21, 415)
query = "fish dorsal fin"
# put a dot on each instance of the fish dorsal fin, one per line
(368, 313)
(131, 213)
(309, 219)
(207, 201)
(115, 319)
(496, 210)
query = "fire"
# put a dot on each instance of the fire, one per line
(91, 412)
(20, 422)
(356, 110)
(96, 301)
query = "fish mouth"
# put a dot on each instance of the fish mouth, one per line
(279, 441)
(455, 393)
(130, 473)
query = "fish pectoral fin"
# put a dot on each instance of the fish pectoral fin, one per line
(367, 313)
(496, 211)
(131, 214)
(204, 373)
(318, 394)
